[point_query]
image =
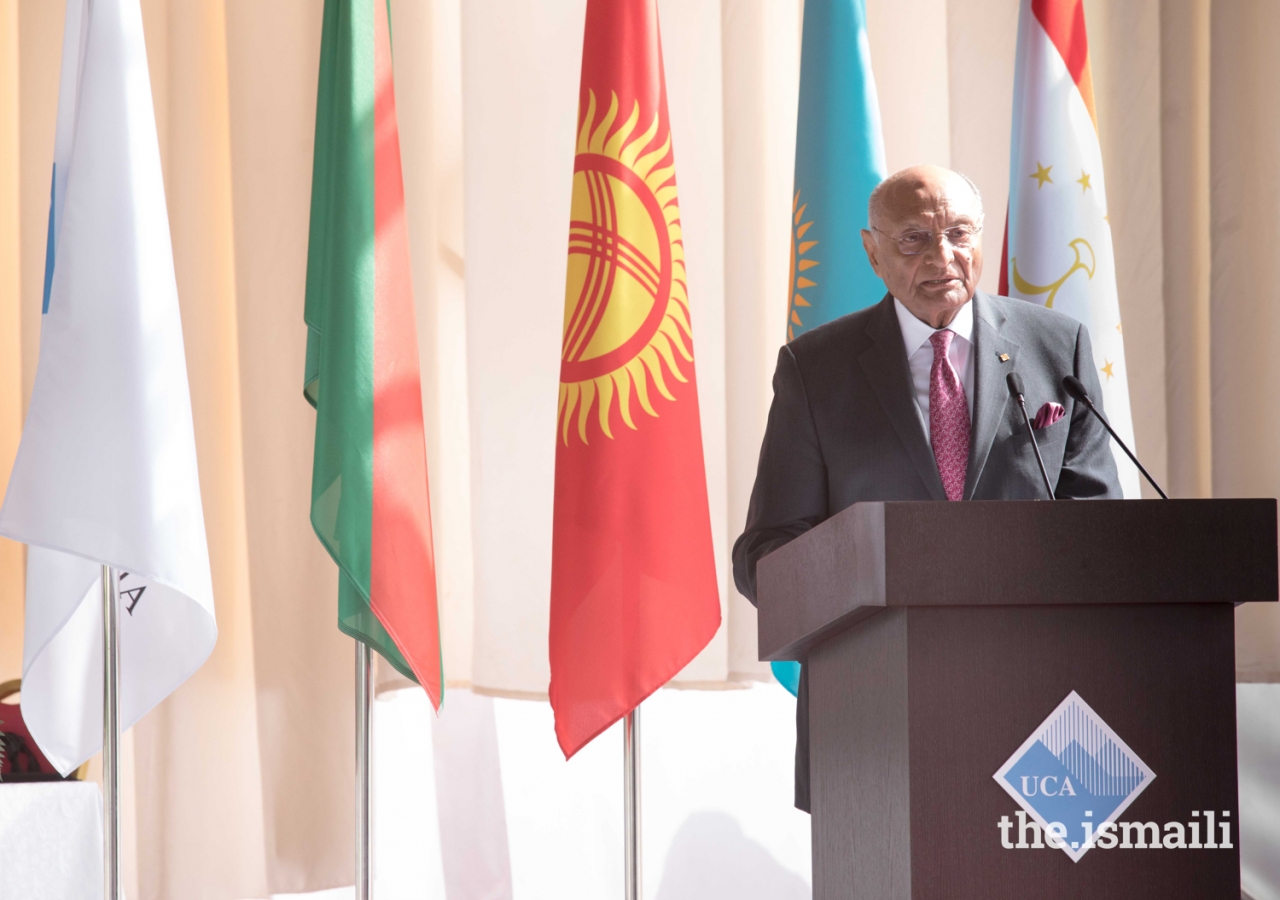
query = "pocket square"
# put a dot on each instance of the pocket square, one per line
(1048, 414)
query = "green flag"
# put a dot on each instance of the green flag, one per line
(369, 498)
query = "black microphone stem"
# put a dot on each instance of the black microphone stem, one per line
(1076, 389)
(1125, 447)
(1014, 382)
(1036, 447)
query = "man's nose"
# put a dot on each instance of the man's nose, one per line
(940, 252)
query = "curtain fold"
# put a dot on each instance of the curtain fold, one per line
(1244, 302)
(519, 93)
(198, 756)
(303, 666)
(761, 64)
(11, 555)
(915, 112)
(1185, 192)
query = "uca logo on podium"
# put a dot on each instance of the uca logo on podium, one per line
(1073, 774)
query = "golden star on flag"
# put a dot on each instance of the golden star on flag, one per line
(1083, 181)
(1041, 175)
(1107, 369)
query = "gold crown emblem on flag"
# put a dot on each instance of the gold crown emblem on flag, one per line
(626, 301)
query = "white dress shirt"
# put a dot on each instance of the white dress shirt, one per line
(915, 337)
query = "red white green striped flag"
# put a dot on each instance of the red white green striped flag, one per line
(369, 499)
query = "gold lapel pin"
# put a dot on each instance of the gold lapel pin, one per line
(1004, 357)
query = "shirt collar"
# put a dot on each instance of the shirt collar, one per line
(916, 334)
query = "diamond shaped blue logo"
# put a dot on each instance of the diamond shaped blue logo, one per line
(1076, 772)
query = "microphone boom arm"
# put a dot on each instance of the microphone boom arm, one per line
(1076, 389)
(1125, 447)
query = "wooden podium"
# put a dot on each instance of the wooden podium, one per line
(939, 636)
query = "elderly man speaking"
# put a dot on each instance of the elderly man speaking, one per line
(907, 400)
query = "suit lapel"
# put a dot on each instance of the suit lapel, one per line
(885, 365)
(991, 394)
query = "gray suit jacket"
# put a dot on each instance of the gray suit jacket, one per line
(844, 427)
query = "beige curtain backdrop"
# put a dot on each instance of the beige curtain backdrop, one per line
(11, 554)
(1244, 315)
(761, 48)
(241, 783)
(212, 716)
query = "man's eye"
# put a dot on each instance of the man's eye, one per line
(914, 239)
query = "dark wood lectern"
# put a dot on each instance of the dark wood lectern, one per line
(939, 636)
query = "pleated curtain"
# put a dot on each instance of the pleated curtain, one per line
(240, 785)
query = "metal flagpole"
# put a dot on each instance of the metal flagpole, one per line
(110, 714)
(111, 730)
(364, 732)
(631, 800)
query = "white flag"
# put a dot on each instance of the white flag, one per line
(1058, 251)
(106, 471)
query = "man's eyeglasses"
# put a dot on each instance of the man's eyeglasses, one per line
(913, 243)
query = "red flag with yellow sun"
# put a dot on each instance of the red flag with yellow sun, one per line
(633, 579)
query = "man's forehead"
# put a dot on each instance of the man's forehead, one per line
(927, 204)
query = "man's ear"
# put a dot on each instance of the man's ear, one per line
(869, 244)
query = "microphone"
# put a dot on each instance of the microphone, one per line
(1075, 387)
(1014, 381)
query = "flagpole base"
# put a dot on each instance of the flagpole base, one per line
(364, 742)
(631, 800)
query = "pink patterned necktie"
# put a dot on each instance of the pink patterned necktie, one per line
(948, 417)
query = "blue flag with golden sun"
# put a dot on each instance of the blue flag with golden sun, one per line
(839, 160)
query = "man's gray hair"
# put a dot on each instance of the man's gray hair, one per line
(877, 193)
